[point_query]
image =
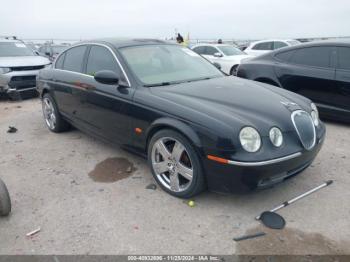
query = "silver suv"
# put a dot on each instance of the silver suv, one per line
(19, 66)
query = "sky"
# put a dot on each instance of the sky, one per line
(202, 19)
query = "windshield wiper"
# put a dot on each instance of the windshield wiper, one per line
(199, 79)
(163, 84)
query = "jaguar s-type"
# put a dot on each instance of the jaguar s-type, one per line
(198, 127)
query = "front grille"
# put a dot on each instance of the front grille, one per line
(305, 128)
(22, 82)
(26, 68)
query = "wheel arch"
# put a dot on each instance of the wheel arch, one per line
(173, 124)
(231, 69)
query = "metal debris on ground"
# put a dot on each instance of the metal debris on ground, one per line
(259, 234)
(32, 233)
(151, 186)
(287, 203)
(12, 129)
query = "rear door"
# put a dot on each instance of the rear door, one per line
(342, 76)
(67, 78)
(310, 72)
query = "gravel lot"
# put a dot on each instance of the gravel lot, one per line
(61, 183)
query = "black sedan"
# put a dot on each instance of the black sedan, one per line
(317, 70)
(198, 127)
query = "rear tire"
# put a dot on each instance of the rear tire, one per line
(175, 164)
(5, 201)
(52, 116)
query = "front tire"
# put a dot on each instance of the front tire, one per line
(5, 201)
(175, 164)
(234, 70)
(52, 116)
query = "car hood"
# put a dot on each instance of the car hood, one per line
(17, 61)
(234, 102)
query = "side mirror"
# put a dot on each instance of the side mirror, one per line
(107, 77)
(47, 53)
(217, 54)
(217, 65)
(36, 52)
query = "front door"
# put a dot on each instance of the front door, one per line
(105, 107)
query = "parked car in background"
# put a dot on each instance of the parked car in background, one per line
(317, 70)
(265, 46)
(198, 127)
(227, 56)
(19, 66)
(51, 51)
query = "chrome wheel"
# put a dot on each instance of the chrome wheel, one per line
(172, 164)
(49, 113)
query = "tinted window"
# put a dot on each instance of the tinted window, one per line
(263, 46)
(74, 59)
(100, 58)
(199, 50)
(284, 56)
(209, 50)
(344, 58)
(59, 62)
(312, 56)
(278, 45)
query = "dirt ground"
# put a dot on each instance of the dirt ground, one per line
(91, 198)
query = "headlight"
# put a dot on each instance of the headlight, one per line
(276, 136)
(314, 114)
(48, 65)
(4, 70)
(250, 139)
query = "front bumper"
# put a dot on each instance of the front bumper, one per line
(18, 82)
(240, 177)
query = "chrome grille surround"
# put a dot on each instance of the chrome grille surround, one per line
(305, 128)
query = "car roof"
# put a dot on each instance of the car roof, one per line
(126, 42)
(272, 40)
(214, 45)
(313, 44)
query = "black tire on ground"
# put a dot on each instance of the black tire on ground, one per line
(5, 202)
(233, 70)
(198, 183)
(61, 124)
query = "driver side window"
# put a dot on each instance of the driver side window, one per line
(100, 58)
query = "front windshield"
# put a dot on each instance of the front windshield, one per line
(14, 49)
(157, 64)
(230, 50)
(58, 49)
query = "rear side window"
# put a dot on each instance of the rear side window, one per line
(59, 62)
(344, 58)
(312, 56)
(263, 46)
(199, 49)
(278, 45)
(284, 56)
(100, 58)
(74, 59)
